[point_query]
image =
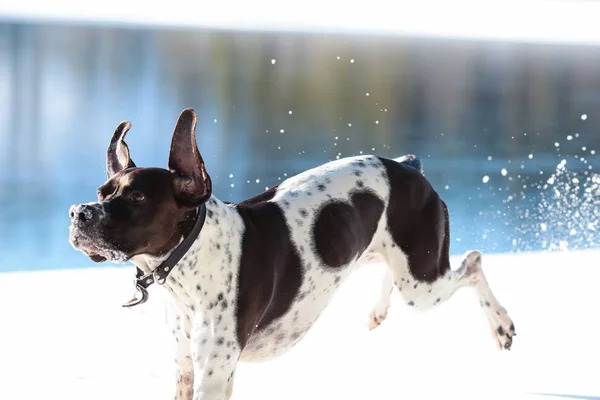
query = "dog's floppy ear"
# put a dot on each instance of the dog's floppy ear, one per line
(117, 156)
(192, 184)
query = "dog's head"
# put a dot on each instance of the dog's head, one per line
(143, 210)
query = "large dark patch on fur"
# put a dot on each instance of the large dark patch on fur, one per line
(344, 230)
(418, 221)
(270, 272)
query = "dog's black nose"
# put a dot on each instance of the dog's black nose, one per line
(83, 214)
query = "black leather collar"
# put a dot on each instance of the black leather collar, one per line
(160, 273)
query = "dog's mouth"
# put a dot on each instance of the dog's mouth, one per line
(93, 249)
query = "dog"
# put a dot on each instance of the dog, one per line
(248, 280)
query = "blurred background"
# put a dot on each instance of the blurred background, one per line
(507, 126)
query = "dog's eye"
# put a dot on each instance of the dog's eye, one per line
(137, 196)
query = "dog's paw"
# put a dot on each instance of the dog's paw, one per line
(503, 329)
(377, 316)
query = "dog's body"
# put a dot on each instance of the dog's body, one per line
(261, 272)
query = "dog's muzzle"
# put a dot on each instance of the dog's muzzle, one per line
(83, 215)
(85, 232)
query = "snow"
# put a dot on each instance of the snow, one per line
(66, 336)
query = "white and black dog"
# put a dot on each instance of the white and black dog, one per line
(250, 279)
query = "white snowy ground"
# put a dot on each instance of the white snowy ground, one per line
(65, 336)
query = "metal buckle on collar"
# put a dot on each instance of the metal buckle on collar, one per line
(157, 278)
(143, 296)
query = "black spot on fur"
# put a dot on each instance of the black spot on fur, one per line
(360, 184)
(198, 288)
(344, 230)
(321, 187)
(411, 303)
(279, 338)
(220, 296)
(418, 221)
(487, 303)
(303, 213)
(336, 280)
(271, 271)
(220, 341)
(500, 331)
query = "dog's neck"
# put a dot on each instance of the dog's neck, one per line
(217, 215)
(148, 263)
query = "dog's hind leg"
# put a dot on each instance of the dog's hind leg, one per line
(380, 310)
(470, 274)
(425, 295)
(417, 253)
(501, 325)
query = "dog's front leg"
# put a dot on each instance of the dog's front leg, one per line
(180, 324)
(214, 355)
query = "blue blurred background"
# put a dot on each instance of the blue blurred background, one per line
(492, 121)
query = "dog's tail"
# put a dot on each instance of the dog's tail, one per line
(411, 160)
